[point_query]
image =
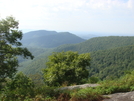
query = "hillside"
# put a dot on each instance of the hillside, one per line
(110, 56)
(112, 63)
(104, 64)
(98, 43)
(49, 39)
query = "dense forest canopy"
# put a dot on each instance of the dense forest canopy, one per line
(98, 43)
(112, 63)
(111, 53)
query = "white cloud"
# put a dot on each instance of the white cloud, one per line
(70, 14)
(30, 7)
(130, 4)
(106, 4)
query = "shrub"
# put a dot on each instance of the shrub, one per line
(18, 88)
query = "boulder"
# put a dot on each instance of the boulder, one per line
(128, 96)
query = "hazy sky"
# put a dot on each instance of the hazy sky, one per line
(104, 16)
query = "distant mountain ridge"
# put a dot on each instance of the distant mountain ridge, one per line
(37, 33)
(49, 39)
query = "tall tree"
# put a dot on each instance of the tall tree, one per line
(10, 47)
(66, 67)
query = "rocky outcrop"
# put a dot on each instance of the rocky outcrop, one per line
(128, 96)
(78, 86)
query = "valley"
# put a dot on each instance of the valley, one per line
(111, 56)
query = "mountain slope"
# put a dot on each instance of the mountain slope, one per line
(98, 43)
(110, 56)
(109, 63)
(112, 63)
(49, 39)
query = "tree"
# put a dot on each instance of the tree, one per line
(67, 67)
(19, 86)
(10, 47)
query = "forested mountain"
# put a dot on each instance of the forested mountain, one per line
(49, 39)
(110, 56)
(35, 51)
(98, 43)
(112, 63)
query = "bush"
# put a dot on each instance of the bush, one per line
(69, 67)
(93, 80)
(18, 88)
(16, 91)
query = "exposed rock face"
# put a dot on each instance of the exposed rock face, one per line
(129, 96)
(79, 86)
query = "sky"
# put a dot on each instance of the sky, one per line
(100, 16)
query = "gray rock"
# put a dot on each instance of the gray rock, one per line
(129, 96)
(78, 86)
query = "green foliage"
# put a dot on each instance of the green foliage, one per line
(67, 67)
(93, 79)
(110, 56)
(46, 93)
(31, 67)
(37, 79)
(10, 47)
(112, 63)
(20, 81)
(123, 84)
(86, 95)
(106, 64)
(98, 43)
(35, 51)
(18, 87)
